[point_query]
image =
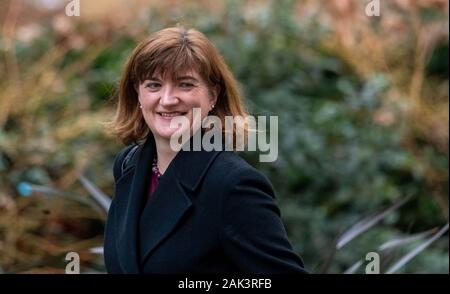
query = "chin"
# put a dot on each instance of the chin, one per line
(164, 134)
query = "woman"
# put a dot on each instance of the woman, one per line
(186, 211)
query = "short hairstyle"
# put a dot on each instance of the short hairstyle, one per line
(169, 52)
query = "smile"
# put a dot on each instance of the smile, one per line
(171, 114)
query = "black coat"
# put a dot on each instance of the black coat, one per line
(210, 213)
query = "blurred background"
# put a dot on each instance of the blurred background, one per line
(363, 106)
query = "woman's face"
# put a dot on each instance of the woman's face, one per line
(162, 100)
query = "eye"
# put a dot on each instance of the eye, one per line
(186, 85)
(152, 85)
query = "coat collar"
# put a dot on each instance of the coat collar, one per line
(147, 224)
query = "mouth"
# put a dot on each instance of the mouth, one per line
(170, 114)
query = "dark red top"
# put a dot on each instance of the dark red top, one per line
(155, 177)
(153, 184)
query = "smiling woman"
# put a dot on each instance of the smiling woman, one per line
(187, 211)
(162, 99)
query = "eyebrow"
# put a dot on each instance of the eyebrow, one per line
(179, 78)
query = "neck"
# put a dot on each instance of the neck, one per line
(165, 154)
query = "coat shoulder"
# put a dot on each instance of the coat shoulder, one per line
(231, 168)
(230, 161)
(119, 158)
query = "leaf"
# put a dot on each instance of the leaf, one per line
(354, 267)
(96, 250)
(101, 198)
(392, 244)
(26, 189)
(404, 240)
(406, 258)
(365, 224)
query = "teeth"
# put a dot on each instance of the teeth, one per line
(170, 114)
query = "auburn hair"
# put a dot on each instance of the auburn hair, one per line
(172, 51)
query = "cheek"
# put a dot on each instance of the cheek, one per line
(198, 99)
(148, 100)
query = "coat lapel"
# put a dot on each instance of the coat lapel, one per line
(144, 225)
(130, 188)
(171, 201)
(166, 207)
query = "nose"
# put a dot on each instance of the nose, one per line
(168, 97)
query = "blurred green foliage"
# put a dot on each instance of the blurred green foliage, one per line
(337, 162)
